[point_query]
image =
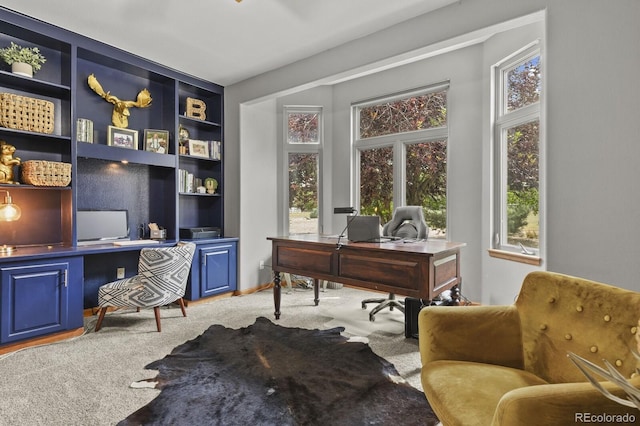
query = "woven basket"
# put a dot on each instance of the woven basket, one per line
(24, 113)
(46, 173)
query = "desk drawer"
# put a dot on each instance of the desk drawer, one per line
(304, 260)
(402, 274)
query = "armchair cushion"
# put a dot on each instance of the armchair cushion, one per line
(479, 385)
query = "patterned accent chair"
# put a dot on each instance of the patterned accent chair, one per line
(161, 280)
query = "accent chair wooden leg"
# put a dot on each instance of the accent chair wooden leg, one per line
(156, 310)
(181, 302)
(138, 309)
(103, 311)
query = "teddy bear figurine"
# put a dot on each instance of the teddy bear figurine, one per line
(7, 162)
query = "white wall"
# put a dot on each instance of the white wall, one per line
(593, 146)
(258, 182)
(591, 133)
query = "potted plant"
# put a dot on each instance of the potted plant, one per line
(211, 185)
(23, 60)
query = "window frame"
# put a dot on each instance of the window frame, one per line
(504, 120)
(398, 142)
(301, 148)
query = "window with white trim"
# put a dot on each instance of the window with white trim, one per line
(400, 155)
(302, 148)
(517, 213)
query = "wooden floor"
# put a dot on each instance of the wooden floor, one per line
(44, 340)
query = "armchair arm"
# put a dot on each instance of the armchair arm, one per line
(486, 334)
(562, 404)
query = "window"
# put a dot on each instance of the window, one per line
(376, 182)
(517, 149)
(303, 141)
(303, 127)
(426, 182)
(400, 147)
(303, 193)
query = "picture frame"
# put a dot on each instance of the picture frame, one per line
(198, 148)
(156, 141)
(122, 138)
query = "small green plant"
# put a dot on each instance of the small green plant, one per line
(27, 55)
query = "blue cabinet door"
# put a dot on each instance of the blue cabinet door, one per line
(39, 298)
(218, 269)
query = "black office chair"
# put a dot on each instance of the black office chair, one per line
(408, 223)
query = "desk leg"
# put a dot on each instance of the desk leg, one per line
(316, 291)
(276, 293)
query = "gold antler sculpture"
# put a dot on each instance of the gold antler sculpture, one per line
(120, 115)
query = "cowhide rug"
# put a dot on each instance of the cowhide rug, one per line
(266, 374)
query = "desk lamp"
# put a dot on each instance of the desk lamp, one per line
(9, 212)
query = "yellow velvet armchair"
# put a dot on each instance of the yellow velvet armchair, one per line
(508, 365)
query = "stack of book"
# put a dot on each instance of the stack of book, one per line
(187, 182)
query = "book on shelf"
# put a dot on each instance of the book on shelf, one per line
(187, 182)
(215, 149)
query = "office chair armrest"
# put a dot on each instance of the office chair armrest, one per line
(485, 334)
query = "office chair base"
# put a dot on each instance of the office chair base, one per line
(390, 303)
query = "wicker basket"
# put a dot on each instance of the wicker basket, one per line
(46, 173)
(24, 113)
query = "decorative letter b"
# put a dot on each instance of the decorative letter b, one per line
(196, 109)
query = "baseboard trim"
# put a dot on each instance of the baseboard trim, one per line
(253, 289)
(39, 341)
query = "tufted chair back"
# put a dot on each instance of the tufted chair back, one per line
(559, 314)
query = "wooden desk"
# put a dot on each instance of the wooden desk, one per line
(422, 269)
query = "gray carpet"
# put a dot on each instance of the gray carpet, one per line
(85, 381)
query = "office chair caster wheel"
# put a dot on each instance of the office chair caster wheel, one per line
(372, 318)
(364, 306)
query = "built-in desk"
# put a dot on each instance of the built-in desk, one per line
(421, 269)
(45, 290)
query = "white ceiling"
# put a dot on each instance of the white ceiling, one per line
(221, 40)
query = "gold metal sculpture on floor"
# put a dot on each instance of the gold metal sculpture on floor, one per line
(120, 115)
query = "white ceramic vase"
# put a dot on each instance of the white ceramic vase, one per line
(21, 68)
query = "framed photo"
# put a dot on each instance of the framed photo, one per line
(198, 148)
(156, 141)
(123, 138)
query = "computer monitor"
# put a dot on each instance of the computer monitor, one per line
(102, 226)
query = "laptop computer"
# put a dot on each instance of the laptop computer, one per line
(363, 228)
